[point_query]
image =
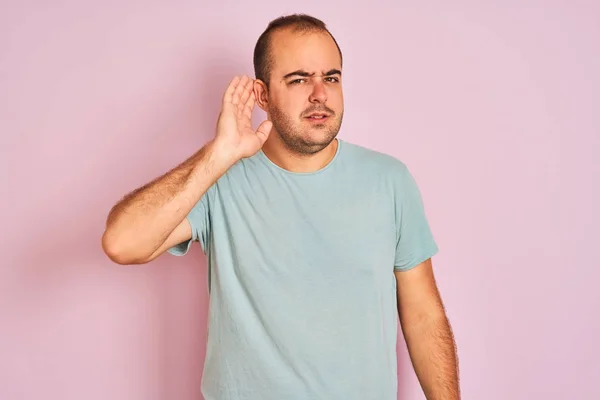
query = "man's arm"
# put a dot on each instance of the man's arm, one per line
(152, 218)
(428, 333)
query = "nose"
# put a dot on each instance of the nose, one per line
(318, 94)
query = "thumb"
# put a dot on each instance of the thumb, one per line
(263, 130)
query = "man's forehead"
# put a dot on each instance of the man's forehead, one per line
(308, 51)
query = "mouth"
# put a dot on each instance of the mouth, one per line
(317, 117)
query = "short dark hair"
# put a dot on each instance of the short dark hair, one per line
(263, 59)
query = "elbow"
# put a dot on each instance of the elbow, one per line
(118, 253)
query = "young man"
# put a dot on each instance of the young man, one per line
(315, 245)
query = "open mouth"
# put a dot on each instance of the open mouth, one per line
(317, 117)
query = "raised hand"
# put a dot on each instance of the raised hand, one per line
(234, 126)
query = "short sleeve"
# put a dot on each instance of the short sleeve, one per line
(199, 219)
(415, 241)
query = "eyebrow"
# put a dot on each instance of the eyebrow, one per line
(304, 73)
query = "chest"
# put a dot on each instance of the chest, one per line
(335, 228)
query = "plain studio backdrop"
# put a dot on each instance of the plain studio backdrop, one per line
(494, 106)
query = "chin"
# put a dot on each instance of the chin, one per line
(318, 140)
(306, 138)
(323, 139)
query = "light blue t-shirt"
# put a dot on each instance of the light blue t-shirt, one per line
(301, 276)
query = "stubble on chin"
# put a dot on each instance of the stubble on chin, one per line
(297, 140)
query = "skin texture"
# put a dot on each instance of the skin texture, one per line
(315, 85)
(428, 333)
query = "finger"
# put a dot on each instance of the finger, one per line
(249, 106)
(247, 91)
(228, 95)
(239, 90)
(263, 130)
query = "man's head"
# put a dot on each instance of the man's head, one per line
(298, 65)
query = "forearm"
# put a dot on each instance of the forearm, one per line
(141, 222)
(433, 354)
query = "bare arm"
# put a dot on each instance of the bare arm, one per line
(152, 218)
(428, 333)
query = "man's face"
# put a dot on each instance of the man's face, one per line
(305, 99)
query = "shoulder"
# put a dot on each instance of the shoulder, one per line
(374, 161)
(381, 168)
(240, 176)
(243, 167)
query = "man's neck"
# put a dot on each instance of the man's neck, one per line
(280, 155)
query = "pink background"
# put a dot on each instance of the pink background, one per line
(493, 105)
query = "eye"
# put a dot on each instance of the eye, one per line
(297, 81)
(332, 79)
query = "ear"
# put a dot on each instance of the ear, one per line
(261, 94)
